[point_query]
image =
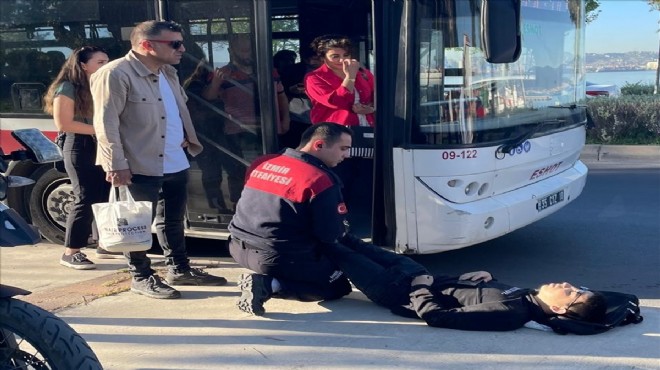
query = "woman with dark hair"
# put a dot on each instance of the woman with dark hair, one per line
(70, 102)
(341, 90)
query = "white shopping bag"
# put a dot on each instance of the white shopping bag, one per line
(123, 226)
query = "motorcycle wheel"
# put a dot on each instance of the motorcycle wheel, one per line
(33, 338)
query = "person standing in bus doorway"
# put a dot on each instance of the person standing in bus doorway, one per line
(69, 100)
(143, 125)
(342, 91)
(208, 125)
(235, 87)
(293, 79)
(284, 59)
(290, 210)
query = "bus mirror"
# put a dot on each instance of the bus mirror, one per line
(500, 30)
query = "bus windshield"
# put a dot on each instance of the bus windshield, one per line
(464, 100)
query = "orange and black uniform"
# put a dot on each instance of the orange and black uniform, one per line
(291, 208)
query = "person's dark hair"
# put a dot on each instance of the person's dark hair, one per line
(149, 29)
(284, 56)
(73, 72)
(200, 73)
(322, 44)
(592, 309)
(327, 131)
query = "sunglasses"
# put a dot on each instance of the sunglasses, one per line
(578, 294)
(176, 44)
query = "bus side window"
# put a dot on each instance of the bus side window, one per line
(27, 97)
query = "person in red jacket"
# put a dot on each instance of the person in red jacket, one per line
(341, 90)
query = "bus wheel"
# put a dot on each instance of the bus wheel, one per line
(50, 202)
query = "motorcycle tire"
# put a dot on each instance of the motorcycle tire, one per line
(33, 338)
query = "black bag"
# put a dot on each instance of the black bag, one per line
(622, 309)
(59, 140)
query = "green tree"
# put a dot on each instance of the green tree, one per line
(591, 9)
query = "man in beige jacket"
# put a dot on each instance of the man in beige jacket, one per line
(142, 126)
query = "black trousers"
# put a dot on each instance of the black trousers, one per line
(168, 194)
(383, 276)
(304, 277)
(89, 187)
(211, 169)
(235, 143)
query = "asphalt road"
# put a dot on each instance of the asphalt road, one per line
(608, 239)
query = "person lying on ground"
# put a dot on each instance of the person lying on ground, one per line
(471, 301)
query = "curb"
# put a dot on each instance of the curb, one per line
(618, 153)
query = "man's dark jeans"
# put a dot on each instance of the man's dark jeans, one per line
(168, 193)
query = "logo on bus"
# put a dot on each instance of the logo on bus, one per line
(524, 147)
(545, 171)
(520, 149)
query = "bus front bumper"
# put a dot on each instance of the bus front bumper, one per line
(475, 222)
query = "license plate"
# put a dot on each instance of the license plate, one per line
(549, 201)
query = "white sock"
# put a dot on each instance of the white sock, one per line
(275, 285)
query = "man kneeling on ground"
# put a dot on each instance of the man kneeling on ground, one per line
(291, 210)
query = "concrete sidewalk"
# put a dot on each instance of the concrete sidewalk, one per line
(204, 330)
(621, 154)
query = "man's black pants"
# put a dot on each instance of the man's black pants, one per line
(168, 195)
(305, 277)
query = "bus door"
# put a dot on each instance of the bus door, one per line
(228, 74)
(231, 101)
(294, 26)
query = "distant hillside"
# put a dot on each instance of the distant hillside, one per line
(631, 61)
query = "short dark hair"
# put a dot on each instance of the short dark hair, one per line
(284, 55)
(329, 132)
(149, 29)
(322, 44)
(592, 309)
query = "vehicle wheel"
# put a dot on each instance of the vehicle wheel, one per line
(33, 338)
(50, 201)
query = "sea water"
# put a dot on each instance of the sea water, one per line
(621, 78)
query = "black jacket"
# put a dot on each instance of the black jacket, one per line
(486, 306)
(291, 203)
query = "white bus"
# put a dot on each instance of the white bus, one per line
(479, 124)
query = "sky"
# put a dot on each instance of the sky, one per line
(623, 26)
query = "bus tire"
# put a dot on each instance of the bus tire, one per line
(50, 200)
(25, 328)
